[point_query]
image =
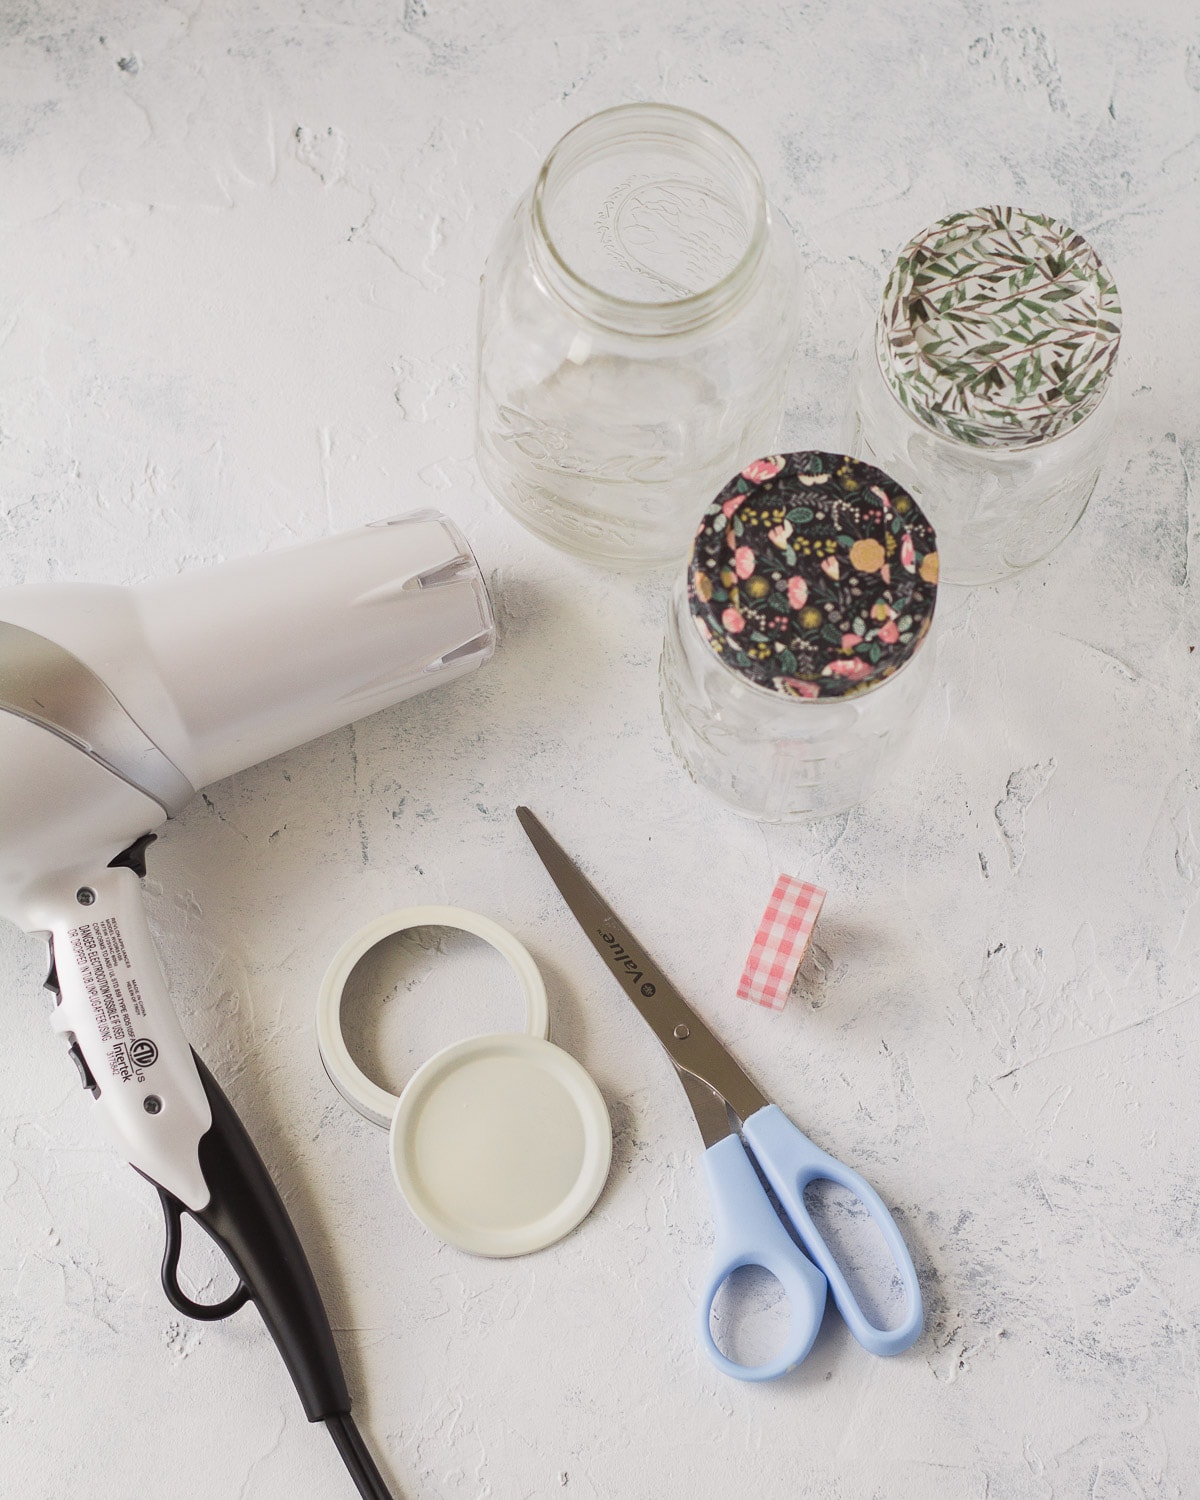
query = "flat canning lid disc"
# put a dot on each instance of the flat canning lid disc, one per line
(501, 1144)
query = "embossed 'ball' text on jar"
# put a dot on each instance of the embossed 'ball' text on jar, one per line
(987, 386)
(637, 318)
(796, 648)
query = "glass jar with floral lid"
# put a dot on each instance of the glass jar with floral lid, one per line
(793, 660)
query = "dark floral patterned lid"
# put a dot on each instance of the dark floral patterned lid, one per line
(813, 575)
(999, 328)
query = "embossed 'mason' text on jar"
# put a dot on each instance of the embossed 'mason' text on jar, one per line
(637, 319)
(987, 385)
(794, 658)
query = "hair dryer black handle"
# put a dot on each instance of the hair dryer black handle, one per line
(246, 1217)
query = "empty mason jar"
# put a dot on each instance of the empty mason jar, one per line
(987, 385)
(637, 319)
(793, 659)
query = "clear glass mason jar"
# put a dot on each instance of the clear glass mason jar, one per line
(779, 711)
(987, 386)
(637, 319)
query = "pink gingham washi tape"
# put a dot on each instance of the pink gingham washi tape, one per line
(781, 942)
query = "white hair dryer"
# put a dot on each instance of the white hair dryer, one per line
(116, 705)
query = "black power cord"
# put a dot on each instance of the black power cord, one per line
(349, 1443)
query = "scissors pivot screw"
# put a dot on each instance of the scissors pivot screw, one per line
(681, 1032)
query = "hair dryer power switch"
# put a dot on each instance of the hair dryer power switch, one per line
(75, 1053)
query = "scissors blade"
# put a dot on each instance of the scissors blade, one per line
(710, 1109)
(689, 1043)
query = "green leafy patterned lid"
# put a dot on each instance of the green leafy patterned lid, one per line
(813, 574)
(999, 328)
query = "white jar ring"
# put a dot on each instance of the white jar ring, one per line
(368, 1098)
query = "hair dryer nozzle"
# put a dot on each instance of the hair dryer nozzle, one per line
(129, 697)
(264, 654)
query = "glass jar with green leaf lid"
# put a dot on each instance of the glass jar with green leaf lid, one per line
(987, 386)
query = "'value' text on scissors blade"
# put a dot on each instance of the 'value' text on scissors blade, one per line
(688, 1041)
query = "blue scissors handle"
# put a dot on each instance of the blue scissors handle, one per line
(790, 1162)
(748, 1233)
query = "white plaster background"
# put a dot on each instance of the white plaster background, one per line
(239, 259)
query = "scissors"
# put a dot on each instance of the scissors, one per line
(748, 1230)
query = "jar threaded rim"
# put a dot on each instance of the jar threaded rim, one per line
(681, 130)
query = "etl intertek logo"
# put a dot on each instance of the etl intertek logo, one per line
(143, 1053)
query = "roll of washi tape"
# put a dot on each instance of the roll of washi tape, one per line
(780, 942)
(500, 1144)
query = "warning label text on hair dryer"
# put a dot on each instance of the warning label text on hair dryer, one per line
(112, 991)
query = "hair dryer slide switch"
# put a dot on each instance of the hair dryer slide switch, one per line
(75, 1053)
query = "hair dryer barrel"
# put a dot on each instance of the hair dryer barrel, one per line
(265, 653)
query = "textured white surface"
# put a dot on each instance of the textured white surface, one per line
(241, 245)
